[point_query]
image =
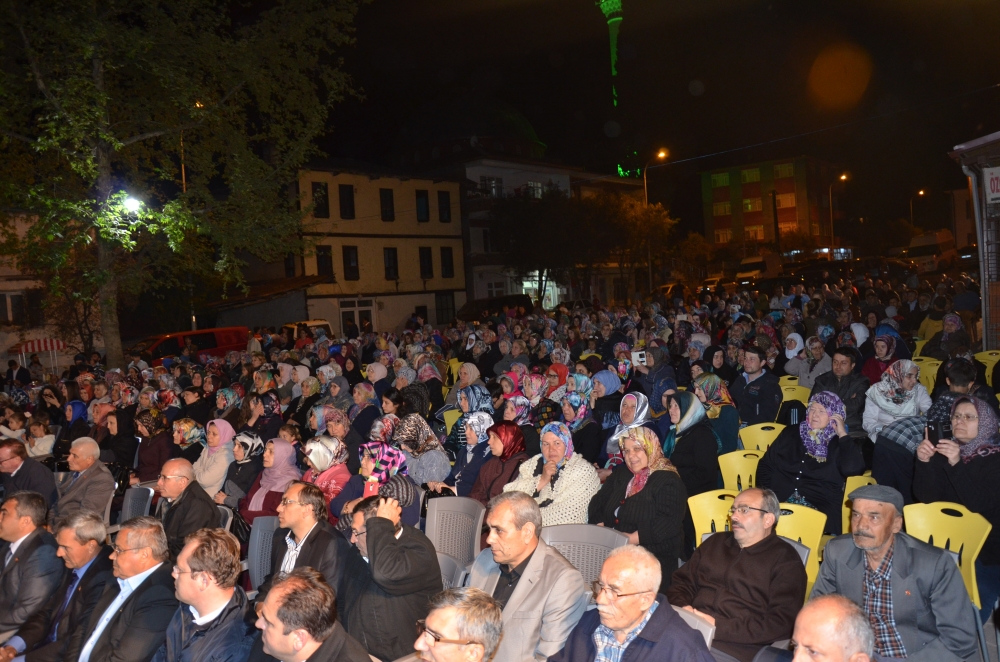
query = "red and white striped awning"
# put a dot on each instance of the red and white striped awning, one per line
(42, 345)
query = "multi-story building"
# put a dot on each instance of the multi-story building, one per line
(737, 200)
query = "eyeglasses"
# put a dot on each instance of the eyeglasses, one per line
(596, 587)
(162, 477)
(438, 639)
(744, 509)
(289, 502)
(178, 571)
(968, 418)
(358, 534)
(118, 550)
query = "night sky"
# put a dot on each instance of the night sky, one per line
(697, 77)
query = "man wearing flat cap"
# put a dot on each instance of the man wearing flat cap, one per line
(912, 592)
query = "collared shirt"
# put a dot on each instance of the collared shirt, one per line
(127, 587)
(210, 616)
(12, 550)
(509, 577)
(608, 648)
(292, 554)
(878, 606)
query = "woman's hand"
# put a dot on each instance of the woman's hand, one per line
(220, 497)
(603, 474)
(436, 486)
(548, 471)
(950, 450)
(838, 425)
(926, 450)
(133, 480)
(348, 507)
(641, 368)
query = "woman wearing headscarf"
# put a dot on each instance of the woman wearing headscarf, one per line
(377, 374)
(633, 412)
(340, 394)
(265, 415)
(300, 373)
(555, 376)
(468, 374)
(949, 338)
(691, 445)
(189, 439)
(720, 410)
(471, 399)
(384, 471)
(964, 470)
(75, 426)
(156, 445)
(117, 446)
(865, 345)
(808, 464)
(543, 410)
(561, 481)
(227, 405)
(268, 489)
(248, 461)
(263, 380)
(426, 462)
(517, 410)
(429, 375)
(645, 499)
(809, 363)
(285, 382)
(898, 394)
(507, 450)
(352, 371)
(885, 350)
(299, 408)
(366, 409)
(586, 432)
(327, 460)
(469, 461)
(212, 465)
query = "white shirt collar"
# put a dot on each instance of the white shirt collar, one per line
(17, 543)
(14, 472)
(136, 581)
(209, 617)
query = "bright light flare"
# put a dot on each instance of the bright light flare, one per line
(132, 205)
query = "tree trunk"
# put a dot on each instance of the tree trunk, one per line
(108, 299)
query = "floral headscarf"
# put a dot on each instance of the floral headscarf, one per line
(414, 433)
(890, 388)
(265, 379)
(511, 437)
(388, 460)
(987, 441)
(716, 393)
(480, 422)
(253, 446)
(582, 384)
(230, 397)
(560, 430)
(166, 398)
(954, 319)
(654, 452)
(537, 384)
(816, 441)
(478, 397)
(890, 344)
(325, 452)
(128, 395)
(323, 413)
(191, 432)
(368, 392)
(522, 409)
(581, 407)
(152, 420)
(428, 371)
(270, 403)
(310, 387)
(383, 428)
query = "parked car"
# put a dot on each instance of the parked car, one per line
(932, 251)
(214, 342)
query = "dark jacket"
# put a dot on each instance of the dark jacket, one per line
(138, 628)
(851, 391)
(324, 550)
(383, 599)
(353, 443)
(200, 411)
(940, 349)
(340, 647)
(727, 428)
(587, 441)
(656, 512)
(532, 442)
(465, 472)
(191, 511)
(362, 423)
(754, 593)
(665, 637)
(36, 629)
(787, 467)
(696, 457)
(28, 581)
(494, 475)
(758, 401)
(299, 410)
(226, 639)
(153, 452)
(33, 476)
(119, 448)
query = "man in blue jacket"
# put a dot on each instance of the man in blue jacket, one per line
(757, 392)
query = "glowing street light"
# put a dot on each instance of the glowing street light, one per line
(132, 205)
(843, 177)
(661, 155)
(920, 193)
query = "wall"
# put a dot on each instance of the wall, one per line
(274, 312)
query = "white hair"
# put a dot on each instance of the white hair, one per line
(645, 566)
(89, 447)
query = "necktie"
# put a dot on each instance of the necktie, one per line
(6, 559)
(54, 631)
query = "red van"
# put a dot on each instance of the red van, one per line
(214, 342)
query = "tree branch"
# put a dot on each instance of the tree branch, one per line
(17, 136)
(155, 134)
(36, 69)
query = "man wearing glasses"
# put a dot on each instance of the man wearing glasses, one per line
(184, 505)
(748, 582)
(20, 473)
(631, 614)
(463, 625)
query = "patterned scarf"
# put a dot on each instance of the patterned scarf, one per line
(817, 441)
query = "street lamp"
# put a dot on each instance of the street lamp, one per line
(920, 193)
(132, 205)
(660, 155)
(843, 178)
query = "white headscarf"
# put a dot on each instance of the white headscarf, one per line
(799, 345)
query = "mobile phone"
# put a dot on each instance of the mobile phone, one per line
(371, 488)
(938, 430)
(682, 317)
(639, 358)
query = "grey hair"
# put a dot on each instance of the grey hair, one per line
(479, 618)
(648, 573)
(853, 628)
(86, 526)
(90, 444)
(769, 502)
(146, 531)
(522, 506)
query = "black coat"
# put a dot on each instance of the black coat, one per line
(758, 401)
(33, 476)
(299, 409)
(338, 647)
(587, 441)
(88, 591)
(363, 422)
(191, 511)
(27, 582)
(324, 550)
(851, 391)
(696, 456)
(119, 448)
(200, 411)
(226, 639)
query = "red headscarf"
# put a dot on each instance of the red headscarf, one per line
(561, 370)
(511, 437)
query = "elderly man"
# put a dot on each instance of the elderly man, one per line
(31, 570)
(20, 473)
(466, 615)
(91, 485)
(829, 628)
(748, 582)
(44, 636)
(632, 620)
(912, 592)
(130, 618)
(184, 506)
(210, 625)
(519, 570)
(389, 578)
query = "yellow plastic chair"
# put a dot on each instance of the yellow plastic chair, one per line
(800, 393)
(710, 512)
(853, 483)
(444, 391)
(804, 525)
(453, 367)
(954, 527)
(788, 380)
(760, 436)
(928, 374)
(921, 359)
(919, 345)
(989, 359)
(739, 469)
(450, 417)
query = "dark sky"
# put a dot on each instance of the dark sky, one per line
(698, 77)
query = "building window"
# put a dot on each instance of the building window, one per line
(346, 194)
(785, 200)
(423, 207)
(753, 233)
(723, 236)
(496, 289)
(447, 262)
(750, 175)
(351, 269)
(720, 180)
(535, 189)
(290, 265)
(788, 228)
(487, 246)
(391, 259)
(722, 209)
(444, 307)
(783, 170)
(751, 204)
(324, 260)
(444, 206)
(492, 187)
(321, 200)
(426, 263)
(815, 229)
(387, 204)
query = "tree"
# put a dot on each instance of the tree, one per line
(692, 256)
(202, 109)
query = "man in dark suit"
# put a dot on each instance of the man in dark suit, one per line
(44, 636)
(31, 570)
(389, 578)
(129, 621)
(20, 473)
(184, 507)
(91, 485)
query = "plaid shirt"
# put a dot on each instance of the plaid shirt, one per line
(608, 648)
(907, 432)
(878, 606)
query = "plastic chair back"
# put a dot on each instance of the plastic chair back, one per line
(259, 549)
(710, 511)
(225, 517)
(788, 380)
(56, 431)
(451, 417)
(107, 508)
(135, 503)
(928, 374)
(800, 393)
(954, 527)
(760, 436)
(452, 572)
(853, 483)
(804, 525)
(739, 469)
(453, 367)
(454, 526)
(586, 546)
(696, 622)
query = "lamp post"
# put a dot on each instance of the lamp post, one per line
(842, 178)
(919, 193)
(660, 155)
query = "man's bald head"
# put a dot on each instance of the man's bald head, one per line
(175, 476)
(835, 629)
